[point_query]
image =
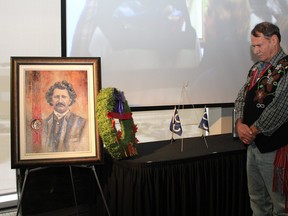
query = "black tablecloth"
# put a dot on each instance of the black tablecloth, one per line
(173, 179)
(188, 148)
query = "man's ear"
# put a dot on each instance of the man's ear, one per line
(274, 39)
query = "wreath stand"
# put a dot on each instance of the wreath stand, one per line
(27, 171)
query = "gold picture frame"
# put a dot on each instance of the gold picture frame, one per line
(53, 120)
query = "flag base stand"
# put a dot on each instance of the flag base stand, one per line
(175, 125)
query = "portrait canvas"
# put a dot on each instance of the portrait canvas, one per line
(53, 111)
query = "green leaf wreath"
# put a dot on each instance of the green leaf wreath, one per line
(111, 104)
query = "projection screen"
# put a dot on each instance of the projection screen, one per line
(170, 52)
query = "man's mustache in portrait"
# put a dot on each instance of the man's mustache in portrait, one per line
(60, 104)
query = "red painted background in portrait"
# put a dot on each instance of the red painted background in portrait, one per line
(37, 84)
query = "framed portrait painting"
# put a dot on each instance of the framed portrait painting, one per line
(53, 104)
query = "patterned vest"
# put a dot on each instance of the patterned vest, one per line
(258, 96)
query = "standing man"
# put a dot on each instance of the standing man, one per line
(63, 130)
(262, 122)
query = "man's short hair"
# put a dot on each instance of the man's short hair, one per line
(267, 29)
(61, 85)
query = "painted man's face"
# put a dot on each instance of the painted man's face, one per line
(61, 100)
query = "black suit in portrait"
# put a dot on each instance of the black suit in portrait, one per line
(65, 134)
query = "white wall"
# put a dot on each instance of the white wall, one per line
(28, 28)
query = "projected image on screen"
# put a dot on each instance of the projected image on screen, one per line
(152, 49)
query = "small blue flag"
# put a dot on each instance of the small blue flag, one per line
(175, 125)
(204, 121)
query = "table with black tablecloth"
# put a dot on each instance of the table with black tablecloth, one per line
(183, 177)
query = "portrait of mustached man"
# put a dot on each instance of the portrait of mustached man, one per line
(63, 130)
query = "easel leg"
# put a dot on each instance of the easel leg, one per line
(23, 187)
(22, 191)
(74, 193)
(95, 174)
(101, 191)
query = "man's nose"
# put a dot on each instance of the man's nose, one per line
(61, 99)
(256, 50)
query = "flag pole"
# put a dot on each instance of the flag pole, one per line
(189, 97)
(172, 138)
(205, 140)
(206, 132)
(182, 102)
(173, 120)
(204, 125)
(176, 120)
